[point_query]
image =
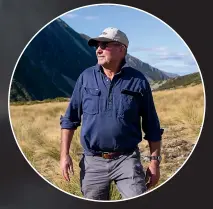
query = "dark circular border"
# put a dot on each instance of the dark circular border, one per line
(21, 187)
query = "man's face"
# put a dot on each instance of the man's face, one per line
(109, 52)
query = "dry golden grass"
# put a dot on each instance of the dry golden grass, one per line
(37, 131)
(182, 107)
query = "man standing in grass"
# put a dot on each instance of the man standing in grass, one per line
(112, 97)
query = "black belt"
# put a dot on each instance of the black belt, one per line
(111, 155)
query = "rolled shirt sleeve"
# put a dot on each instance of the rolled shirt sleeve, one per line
(72, 117)
(150, 121)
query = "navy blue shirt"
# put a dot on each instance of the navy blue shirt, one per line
(110, 110)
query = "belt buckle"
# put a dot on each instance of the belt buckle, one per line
(106, 155)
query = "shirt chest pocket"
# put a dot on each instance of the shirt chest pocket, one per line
(91, 97)
(129, 104)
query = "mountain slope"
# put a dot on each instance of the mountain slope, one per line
(181, 81)
(171, 75)
(51, 64)
(151, 73)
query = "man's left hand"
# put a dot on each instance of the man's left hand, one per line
(153, 173)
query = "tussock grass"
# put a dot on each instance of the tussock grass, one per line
(37, 131)
(181, 106)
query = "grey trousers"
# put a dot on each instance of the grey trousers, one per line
(97, 173)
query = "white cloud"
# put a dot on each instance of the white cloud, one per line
(70, 15)
(91, 17)
(158, 55)
(167, 60)
(141, 49)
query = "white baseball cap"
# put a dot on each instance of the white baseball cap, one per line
(110, 34)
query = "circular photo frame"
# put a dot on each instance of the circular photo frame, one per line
(134, 124)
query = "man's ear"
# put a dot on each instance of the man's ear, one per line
(123, 48)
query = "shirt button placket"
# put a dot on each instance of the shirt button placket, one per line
(110, 99)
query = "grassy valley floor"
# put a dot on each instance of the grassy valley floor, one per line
(37, 131)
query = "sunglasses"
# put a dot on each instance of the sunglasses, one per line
(104, 45)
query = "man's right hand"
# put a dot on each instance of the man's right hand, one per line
(66, 166)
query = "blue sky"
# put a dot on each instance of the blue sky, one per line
(150, 39)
